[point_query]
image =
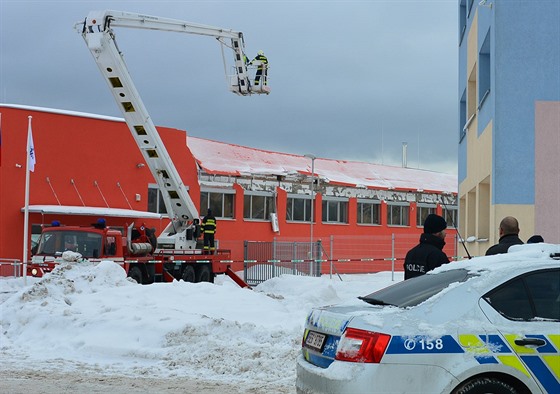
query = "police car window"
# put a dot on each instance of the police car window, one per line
(414, 291)
(544, 289)
(532, 296)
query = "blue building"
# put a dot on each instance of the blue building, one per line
(509, 118)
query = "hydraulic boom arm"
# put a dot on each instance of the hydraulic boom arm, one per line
(99, 36)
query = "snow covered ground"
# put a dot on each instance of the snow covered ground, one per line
(90, 318)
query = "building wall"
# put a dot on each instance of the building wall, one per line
(94, 161)
(509, 59)
(81, 161)
(547, 168)
(527, 70)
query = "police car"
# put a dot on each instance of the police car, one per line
(486, 325)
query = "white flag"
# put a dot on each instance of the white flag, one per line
(30, 148)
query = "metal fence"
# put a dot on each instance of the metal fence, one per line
(11, 267)
(336, 255)
(265, 260)
(340, 255)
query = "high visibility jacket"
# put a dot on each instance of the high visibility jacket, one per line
(209, 225)
(262, 59)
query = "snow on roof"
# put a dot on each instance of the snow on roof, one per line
(90, 211)
(62, 112)
(228, 159)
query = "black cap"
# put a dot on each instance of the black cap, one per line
(434, 224)
(535, 239)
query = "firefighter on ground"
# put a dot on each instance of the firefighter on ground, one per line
(208, 225)
(261, 69)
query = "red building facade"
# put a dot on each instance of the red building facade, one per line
(88, 165)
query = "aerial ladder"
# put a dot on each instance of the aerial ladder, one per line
(97, 31)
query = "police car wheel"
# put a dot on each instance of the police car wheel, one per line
(485, 385)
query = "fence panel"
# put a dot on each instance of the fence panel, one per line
(11, 267)
(266, 260)
(340, 255)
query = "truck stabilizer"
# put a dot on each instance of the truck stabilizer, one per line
(237, 279)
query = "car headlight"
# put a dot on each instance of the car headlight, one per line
(34, 272)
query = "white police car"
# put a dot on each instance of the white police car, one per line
(486, 325)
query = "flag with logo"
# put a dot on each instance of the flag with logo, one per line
(31, 149)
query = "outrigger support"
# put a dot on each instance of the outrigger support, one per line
(237, 279)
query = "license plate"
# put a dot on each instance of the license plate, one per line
(315, 340)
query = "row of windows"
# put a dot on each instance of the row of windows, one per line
(479, 81)
(465, 9)
(260, 206)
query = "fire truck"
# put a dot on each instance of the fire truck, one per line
(174, 254)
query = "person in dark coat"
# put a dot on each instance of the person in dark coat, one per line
(428, 254)
(509, 235)
(208, 225)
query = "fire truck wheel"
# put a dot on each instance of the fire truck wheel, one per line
(188, 274)
(203, 273)
(136, 274)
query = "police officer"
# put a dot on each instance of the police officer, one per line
(208, 225)
(261, 70)
(428, 254)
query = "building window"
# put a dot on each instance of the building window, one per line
(221, 203)
(422, 211)
(258, 206)
(484, 71)
(471, 96)
(369, 212)
(155, 200)
(450, 215)
(299, 209)
(462, 20)
(463, 116)
(469, 7)
(397, 214)
(36, 230)
(335, 211)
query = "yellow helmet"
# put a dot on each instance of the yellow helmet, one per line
(261, 52)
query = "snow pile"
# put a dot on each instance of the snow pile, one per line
(89, 316)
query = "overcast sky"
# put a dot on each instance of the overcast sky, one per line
(350, 80)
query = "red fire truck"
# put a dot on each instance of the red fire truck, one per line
(135, 250)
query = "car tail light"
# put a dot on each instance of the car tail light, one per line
(360, 346)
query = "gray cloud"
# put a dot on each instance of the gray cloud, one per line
(350, 80)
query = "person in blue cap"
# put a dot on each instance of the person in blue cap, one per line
(100, 224)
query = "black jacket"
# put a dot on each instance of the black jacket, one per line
(425, 256)
(503, 244)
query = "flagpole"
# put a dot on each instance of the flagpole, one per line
(26, 210)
